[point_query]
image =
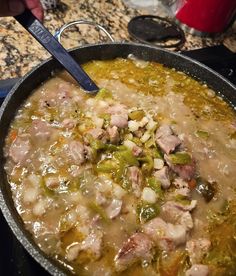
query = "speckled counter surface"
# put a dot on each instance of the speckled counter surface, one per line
(19, 52)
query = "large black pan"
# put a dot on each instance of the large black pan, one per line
(83, 54)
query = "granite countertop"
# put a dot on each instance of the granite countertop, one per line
(19, 52)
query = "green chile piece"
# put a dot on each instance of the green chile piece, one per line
(182, 199)
(103, 94)
(107, 166)
(202, 134)
(136, 115)
(155, 185)
(147, 212)
(98, 210)
(126, 157)
(180, 158)
(147, 164)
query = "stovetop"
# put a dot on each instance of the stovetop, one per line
(14, 260)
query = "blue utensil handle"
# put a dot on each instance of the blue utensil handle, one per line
(6, 86)
(48, 41)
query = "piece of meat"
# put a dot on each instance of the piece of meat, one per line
(88, 151)
(166, 235)
(19, 149)
(73, 252)
(113, 134)
(91, 244)
(137, 151)
(197, 248)
(30, 194)
(137, 248)
(184, 206)
(136, 179)
(77, 152)
(41, 131)
(99, 134)
(52, 182)
(166, 140)
(186, 172)
(163, 176)
(117, 109)
(68, 123)
(186, 192)
(168, 143)
(113, 210)
(180, 183)
(198, 270)
(164, 130)
(40, 207)
(171, 213)
(100, 198)
(119, 120)
(186, 220)
(119, 115)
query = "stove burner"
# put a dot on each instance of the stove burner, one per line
(155, 30)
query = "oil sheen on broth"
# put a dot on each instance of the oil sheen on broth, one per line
(138, 180)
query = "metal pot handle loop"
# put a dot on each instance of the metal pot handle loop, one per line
(59, 32)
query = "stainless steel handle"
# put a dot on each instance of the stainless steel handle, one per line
(81, 22)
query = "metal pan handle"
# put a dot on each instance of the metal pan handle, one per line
(81, 22)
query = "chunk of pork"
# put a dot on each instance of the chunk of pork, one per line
(91, 244)
(183, 207)
(197, 248)
(163, 176)
(118, 109)
(41, 131)
(138, 247)
(171, 213)
(113, 210)
(166, 140)
(119, 115)
(120, 121)
(186, 172)
(113, 134)
(136, 179)
(19, 149)
(166, 235)
(98, 133)
(77, 152)
(198, 270)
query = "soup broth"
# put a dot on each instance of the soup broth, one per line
(137, 180)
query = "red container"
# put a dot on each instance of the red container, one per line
(208, 16)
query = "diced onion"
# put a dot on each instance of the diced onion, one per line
(30, 195)
(133, 125)
(90, 102)
(118, 192)
(145, 137)
(143, 122)
(39, 208)
(34, 180)
(158, 163)
(129, 144)
(98, 122)
(151, 125)
(149, 195)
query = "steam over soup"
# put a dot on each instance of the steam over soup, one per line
(138, 180)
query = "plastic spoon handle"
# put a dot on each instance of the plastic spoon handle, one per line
(48, 41)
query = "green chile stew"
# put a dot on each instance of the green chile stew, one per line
(138, 180)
